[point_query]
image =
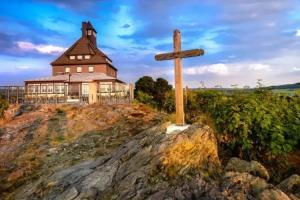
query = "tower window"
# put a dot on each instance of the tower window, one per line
(79, 69)
(87, 56)
(72, 57)
(89, 32)
(91, 69)
(79, 57)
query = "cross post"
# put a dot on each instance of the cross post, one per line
(177, 55)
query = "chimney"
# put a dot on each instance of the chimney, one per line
(83, 29)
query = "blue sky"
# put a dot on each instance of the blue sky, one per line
(244, 40)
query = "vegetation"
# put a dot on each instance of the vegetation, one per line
(256, 124)
(152, 92)
(3, 106)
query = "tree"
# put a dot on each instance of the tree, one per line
(155, 91)
(145, 85)
(161, 87)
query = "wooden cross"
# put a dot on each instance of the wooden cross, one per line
(177, 55)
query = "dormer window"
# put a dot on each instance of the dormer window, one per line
(72, 57)
(87, 56)
(79, 57)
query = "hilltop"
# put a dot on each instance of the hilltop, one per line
(121, 152)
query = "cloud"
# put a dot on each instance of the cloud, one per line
(298, 33)
(41, 48)
(217, 69)
(259, 67)
(77, 5)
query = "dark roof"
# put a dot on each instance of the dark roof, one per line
(83, 46)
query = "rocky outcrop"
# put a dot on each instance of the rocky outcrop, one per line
(252, 167)
(139, 169)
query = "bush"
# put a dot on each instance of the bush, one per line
(257, 125)
(3, 107)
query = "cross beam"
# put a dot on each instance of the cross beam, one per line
(177, 55)
(181, 54)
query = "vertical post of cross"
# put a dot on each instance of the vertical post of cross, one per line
(178, 80)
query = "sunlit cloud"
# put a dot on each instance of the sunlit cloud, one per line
(218, 69)
(43, 49)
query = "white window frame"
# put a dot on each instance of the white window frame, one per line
(85, 89)
(79, 57)
(91, 69)
(79, 69)
(86, 57)
(89, 32)
(44, 88)
(59, 88)
(72, 57)
(50, 88)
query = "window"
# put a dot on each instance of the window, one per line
(87, 56)
(44, 88)
(59, 88)
(50, 88)
(67, 69)
(105, 87)
(85, 88)
(91, 69)
(79, 57)
(72, 57)
(79, 69)
(89, 32)
(33, 88)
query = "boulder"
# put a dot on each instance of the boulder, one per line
(242, 185)
(273, 194)
(291, 185)
(252, 167)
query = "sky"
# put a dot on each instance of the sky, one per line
(244, 40)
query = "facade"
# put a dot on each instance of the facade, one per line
(82, 72)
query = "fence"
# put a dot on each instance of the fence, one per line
(13, 94)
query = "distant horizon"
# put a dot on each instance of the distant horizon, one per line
(243, 40)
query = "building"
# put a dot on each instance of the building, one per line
(82, 73)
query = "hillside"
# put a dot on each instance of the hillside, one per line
(121, 152)
(285, 86)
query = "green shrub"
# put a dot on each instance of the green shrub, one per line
(259, 124)
(3, 107)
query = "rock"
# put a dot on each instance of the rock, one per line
(273, 194)
(291, 185)
(242, 185)
(68, 194)
(252, 167)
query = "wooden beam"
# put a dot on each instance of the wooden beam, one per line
(180, 54)
(178, 80)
